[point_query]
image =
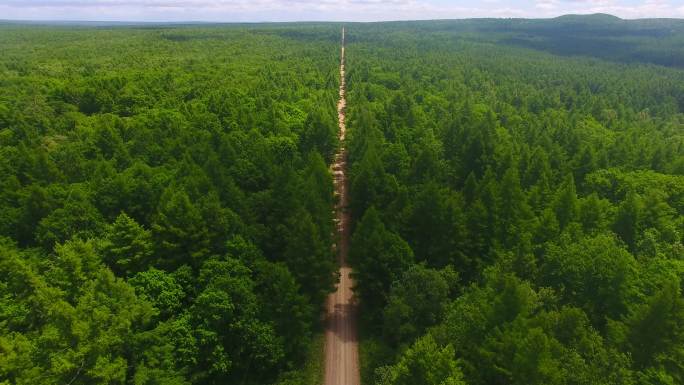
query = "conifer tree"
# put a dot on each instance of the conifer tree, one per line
(178, 230)
(128, 247)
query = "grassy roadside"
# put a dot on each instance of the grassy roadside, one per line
(372, 354)
(312, 371)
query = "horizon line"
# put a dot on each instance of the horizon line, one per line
(202, 21)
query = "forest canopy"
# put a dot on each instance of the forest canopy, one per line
(518, 206)
(165, 209)
(516, 190)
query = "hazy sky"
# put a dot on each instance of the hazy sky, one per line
(294, 10)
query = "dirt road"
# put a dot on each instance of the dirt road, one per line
(341, 343)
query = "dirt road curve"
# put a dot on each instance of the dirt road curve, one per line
(341, 344)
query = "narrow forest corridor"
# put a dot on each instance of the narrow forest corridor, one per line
(341, 343)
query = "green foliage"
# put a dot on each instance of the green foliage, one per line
(416, 302)
(231, 340)
(77, 218)
(160, 289)
(552, 183)
(380, 257)
(128, 247)
(655, 331)
(423, 363)
(179, 231)
(516, 187)
(166, 202)
(595, 274)
(435, 226)
(308, 256)
(80, 322)
(312, 372)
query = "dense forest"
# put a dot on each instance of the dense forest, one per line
(165, 203)
(517, 192)
(519, 213)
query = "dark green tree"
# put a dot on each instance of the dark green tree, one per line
(179, 231)
(127, 247)
(424, 363)
(380, 257)
(628, 219)
(565, 202)
(416, 301)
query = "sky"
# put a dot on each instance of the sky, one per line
(329, 10)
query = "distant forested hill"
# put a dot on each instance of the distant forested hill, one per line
(657, 41)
